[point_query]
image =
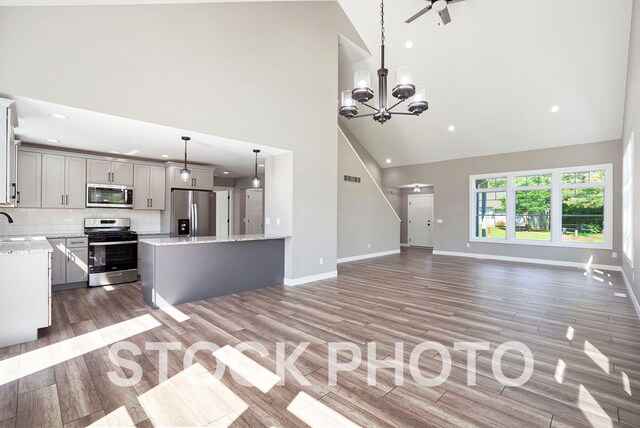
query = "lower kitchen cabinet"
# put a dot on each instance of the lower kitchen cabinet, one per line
(69, 261)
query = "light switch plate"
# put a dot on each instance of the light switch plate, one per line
(439, 221)
(267, 220)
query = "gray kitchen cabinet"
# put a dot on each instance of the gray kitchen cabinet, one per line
(63, 181)
(8, 153)
(58, 261)
(149, 183)
(200, 179)
(69, 261)
(29, 180)
(109, 172)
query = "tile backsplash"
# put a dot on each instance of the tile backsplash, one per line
(28, 221)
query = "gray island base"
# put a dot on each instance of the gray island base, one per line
(181, 270)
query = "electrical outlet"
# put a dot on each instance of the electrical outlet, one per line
(439, 221)
(267, 220)
(369, 245)
(614, 255)
(468, 245)
(321, 261)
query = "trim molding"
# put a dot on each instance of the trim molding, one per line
(312, 278)
(636, 305)
(526, 260)
(402, 244)
(368, 256)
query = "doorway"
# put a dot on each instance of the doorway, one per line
(420, 216)
(223, 213)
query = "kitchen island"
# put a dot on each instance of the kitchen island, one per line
(186, 269)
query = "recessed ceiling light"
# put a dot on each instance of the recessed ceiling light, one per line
(408, 44)
(452, 128)
(52, 140)
(59, 116)
(388, 160)
(555, 109)
(164, 156)
(225, 172)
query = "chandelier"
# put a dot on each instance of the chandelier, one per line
(403, 90)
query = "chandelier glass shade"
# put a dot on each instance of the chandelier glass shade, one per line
(403, 90)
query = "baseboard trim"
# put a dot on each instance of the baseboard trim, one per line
(368, 256)
(312, 278)
(636, 305)
(526, 260)
(404, 245)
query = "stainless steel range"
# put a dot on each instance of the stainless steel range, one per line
(113, 251)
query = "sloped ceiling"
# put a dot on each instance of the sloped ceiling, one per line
(494, 73)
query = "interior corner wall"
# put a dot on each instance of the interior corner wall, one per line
(368, 160)
(451, 198)
(632, 125)
(197, 67)
(367, 224)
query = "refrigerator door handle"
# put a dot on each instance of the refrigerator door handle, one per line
(195, 217)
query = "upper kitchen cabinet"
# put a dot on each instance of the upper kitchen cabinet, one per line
(149, 186)
(200, 179)
(29, 179)
(8, 153)
(109, 172)
(63, 181)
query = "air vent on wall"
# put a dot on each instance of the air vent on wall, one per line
(351, 179)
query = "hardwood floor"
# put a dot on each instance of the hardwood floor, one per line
(585, 342)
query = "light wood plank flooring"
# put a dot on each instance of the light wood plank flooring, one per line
(585, 341)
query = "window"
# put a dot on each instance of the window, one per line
(563, 207)
(627, 202)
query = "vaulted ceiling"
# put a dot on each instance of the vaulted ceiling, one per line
(494, 73)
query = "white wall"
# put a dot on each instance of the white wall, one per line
(367, 223)
(43, 221)
(632, 125)
(264, 73)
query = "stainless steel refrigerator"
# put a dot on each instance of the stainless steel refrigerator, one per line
(193, 213)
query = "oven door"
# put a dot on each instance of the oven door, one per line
(110, 256)
(109, 196)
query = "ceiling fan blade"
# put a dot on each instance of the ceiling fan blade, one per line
(445, 17)
(418, 15)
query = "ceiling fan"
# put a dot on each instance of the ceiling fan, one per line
(439, 6)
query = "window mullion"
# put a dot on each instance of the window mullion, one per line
(556, 207)
(511, 208)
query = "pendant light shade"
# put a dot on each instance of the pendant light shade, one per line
(256, 182)
(184, 172)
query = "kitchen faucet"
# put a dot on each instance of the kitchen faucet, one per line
(8, 217)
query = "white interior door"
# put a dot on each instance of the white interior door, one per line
(420, 220)
(253, 212)
(222, 213)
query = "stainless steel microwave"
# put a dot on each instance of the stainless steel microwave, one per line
(109, 196)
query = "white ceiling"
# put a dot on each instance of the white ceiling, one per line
(90, 131)
(116, 2)
(494, 73)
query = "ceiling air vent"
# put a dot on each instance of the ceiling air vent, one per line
(351, 179)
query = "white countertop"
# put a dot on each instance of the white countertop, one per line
(24, 245)
(209, 239)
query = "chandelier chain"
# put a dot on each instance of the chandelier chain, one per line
(382, 21)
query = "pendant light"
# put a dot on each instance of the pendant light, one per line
(185, 173)
(256, 183)
(417, 189)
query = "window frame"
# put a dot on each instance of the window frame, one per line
(556, 188)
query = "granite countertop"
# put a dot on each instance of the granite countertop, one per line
(209, 239)
(153, 233)
(24, 245)
(55, 235)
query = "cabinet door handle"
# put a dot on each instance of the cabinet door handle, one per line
(18, 200)
(151, 202)
(15, 190)
(62, 200)
(67, 200)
